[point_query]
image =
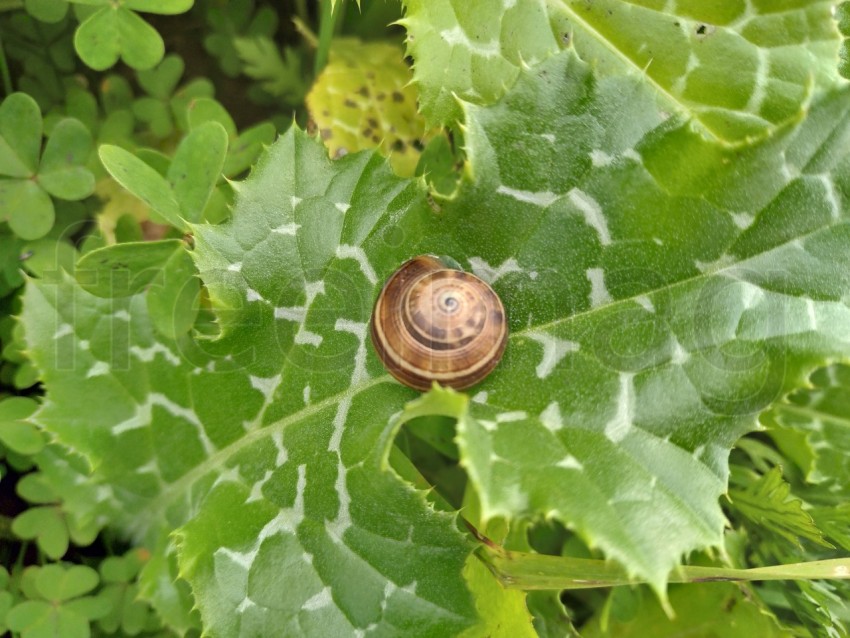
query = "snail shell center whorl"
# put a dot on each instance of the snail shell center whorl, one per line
(434, 323)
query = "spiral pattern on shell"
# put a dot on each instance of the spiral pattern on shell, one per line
(435, 323)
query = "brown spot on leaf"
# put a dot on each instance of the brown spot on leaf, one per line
(327, 133)
(364, 91)
(397, 97)
(350, 103)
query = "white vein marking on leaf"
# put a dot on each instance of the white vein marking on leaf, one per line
(266, 385)
(140, 419)
(742, 220)
(516, 500)
(343, 517)
(598, 292)
(342, 207)
(298, 314)
(242, 559)
(287, 229)
(64, 329)
(253, 295)
(507, 417)
(246, 604)
(645, 302)
(760, 85)
(147, 354)
(359, 330)
(227, 475)
(718, 264)
(618, 427)
(658, 241)
(681, 82)
(480, 397)
(632, 493)
(84, 344)
(305, 394)
(811, 313)
(490, 426)
(600, 158)
(282, 454)
(544, 199)
(751, 295)
(294, 200)
(257, 488)
(831, 195)
(180, 487)
(122, 314)
(554, 349)
(551, 417)
(187, 414)
(549, 137)
(344, 251)
(235, 267)
(319, 601)
(456, 36)
(593, 215)
(99, 369)
(488, 273)
(679, 356)
(633, 155)
(569, 462)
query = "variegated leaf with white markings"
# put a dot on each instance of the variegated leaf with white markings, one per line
(739, 68)
(265, 449)
(661, 291)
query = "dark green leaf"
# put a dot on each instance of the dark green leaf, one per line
(20, 135)
(114, 31)
(57, 583)
(62, 172)
(125, 269)
(27, 208)
(196, 168)
(47, 526)
(143, 181)
(15, 433)
(173, 296)
(767, 502)
(47, 10)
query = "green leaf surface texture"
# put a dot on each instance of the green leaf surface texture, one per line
(685, 49)
(359, 547)
(812, 427)
(650, 326)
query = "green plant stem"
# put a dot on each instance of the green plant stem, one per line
(6, 77)
(301, 10)
(326, 32)
(305, 32)
(519, 570)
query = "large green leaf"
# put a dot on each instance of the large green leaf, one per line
(661, 291)
(284, 440)
(685, 49)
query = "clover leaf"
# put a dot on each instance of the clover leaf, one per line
(115, 30)
(28, 176)
(60, 607)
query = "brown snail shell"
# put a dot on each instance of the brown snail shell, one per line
(432, 322)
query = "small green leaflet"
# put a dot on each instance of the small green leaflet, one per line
(661, 291)
(812, 427)
(684, 49)
(768, 503)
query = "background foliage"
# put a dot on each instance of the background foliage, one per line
(197, 213)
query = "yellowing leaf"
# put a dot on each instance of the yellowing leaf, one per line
(364, 99)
